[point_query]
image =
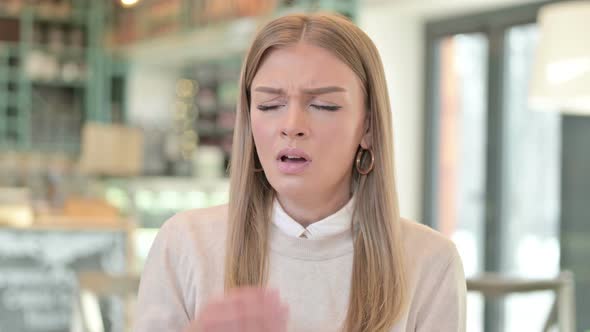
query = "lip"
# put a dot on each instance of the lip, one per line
(293, 152)
(292, 168)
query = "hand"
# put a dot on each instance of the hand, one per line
(244, 310)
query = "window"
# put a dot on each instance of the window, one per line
(492, 165)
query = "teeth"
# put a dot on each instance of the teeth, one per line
(292, 157)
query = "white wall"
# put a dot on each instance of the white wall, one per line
(397, 28)
(399, 40)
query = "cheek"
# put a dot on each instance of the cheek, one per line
(339, 143)
(262, 133)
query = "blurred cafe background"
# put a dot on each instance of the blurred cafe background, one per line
(116, 114)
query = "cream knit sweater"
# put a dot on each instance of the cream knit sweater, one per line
(185, 268)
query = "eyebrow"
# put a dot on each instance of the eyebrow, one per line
(316, 91)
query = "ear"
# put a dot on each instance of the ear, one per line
(367, 139)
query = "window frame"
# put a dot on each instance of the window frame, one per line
(494, 24)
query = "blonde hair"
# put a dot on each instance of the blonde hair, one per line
(377, 294)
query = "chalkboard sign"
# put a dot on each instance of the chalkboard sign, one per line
(38, 279)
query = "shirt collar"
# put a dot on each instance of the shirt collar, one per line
(334, 224)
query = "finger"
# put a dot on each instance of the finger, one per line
(245, 309)
(271, 298)
(248, 306)
(252, 302)
(221, 315)
(283, 318)
(275, 311)
(276, 320)
(259, 307)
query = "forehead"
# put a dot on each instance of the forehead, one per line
(304, 65)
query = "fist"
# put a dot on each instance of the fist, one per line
(244, 310)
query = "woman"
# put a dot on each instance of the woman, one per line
(311, 239)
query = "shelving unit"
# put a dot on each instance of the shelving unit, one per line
(55, 73)
(214, 101)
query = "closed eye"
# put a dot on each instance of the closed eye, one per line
(267, 108)
(326, 107)
(319, 107)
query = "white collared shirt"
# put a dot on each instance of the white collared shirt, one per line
(334, 224)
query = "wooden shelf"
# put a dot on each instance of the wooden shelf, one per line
(66, 146)
(11, 75)
(214, 133)
(11, 47)
(76, 17)
(10, 99)
(67, 223)
(211, 111)
(67, 51)
(60, 84)
(5, 15)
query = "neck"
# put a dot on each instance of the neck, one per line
(307, 209)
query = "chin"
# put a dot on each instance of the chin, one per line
(285, 186)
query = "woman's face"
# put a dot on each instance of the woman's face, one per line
(307, 116)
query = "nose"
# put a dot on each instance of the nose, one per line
(295, 124)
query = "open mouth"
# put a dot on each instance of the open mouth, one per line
(293, 159)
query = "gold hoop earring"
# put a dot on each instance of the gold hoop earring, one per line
(359, 157)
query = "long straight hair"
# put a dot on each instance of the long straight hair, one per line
(378, 293)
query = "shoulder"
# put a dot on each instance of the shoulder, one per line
(427, 249)
(209, 219)
(436, 281)
(195, 229)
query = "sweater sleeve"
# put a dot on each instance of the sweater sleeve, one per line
(163, 301)
(443, 309)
